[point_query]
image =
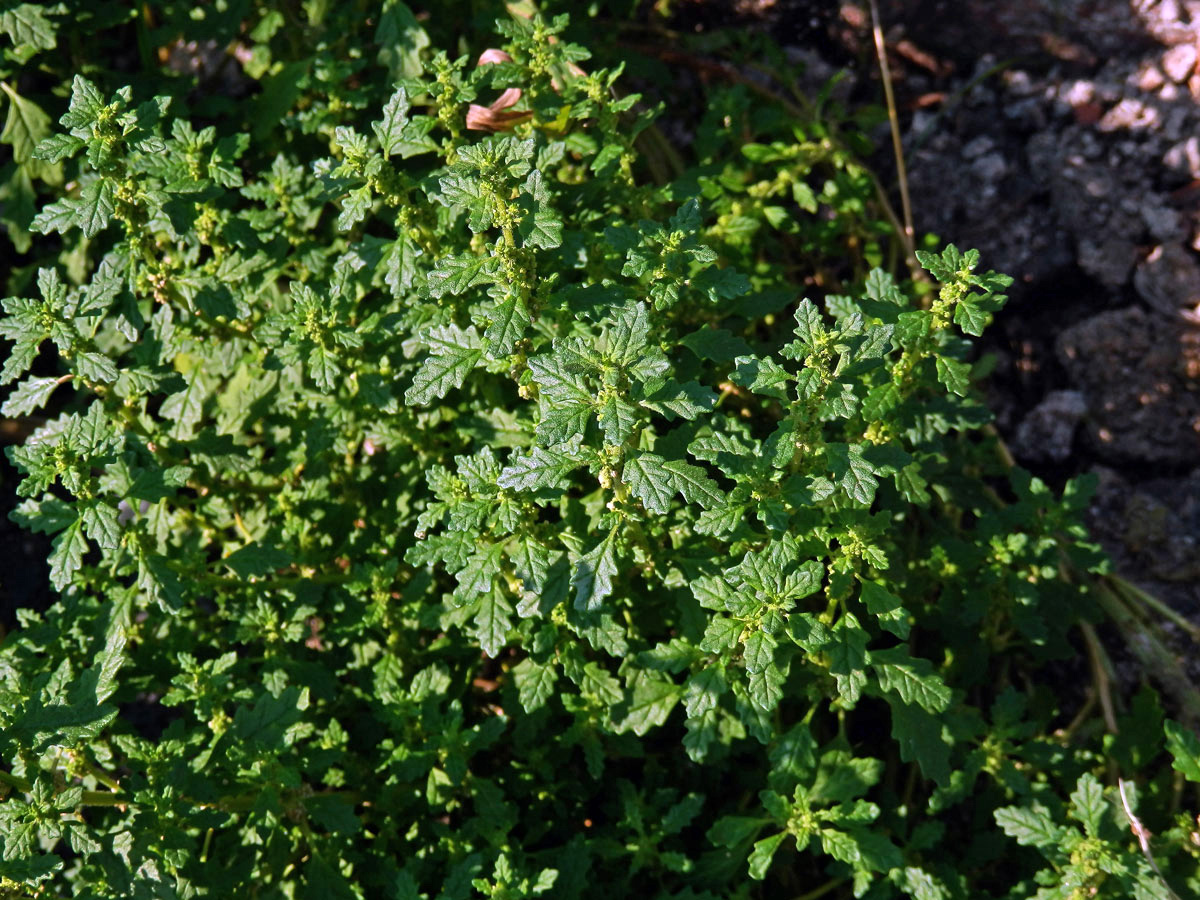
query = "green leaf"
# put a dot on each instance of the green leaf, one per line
(920, 737)
(86, 104)
(763, 853)
(942, 266)
(1184, 747)
(355, 206)
(969, 316)
(453, 353)
(651, 699)
(847, 649)
(61, 217)
(535, 683)
(401, 39)
(57, 147)
(509, 322)
(765, 688)
(265, 722)
(455, 275)
(912, 678)
(715, 344)
(763, 376)
(955, 375)
(810, 329)
(759, 652)
(66, 557)
(390, 129)
(95, 367)
(720, 284)
(855, 474)
(617, 418)
(324, 368)
(683, 401)
(26, 23)
(563, 424)
(1030, 827)
(649, 481)
(30, 394)
(493, 621)
(594, 573)
(100, 520)
(157, 579)
(880, 401)
(185, 408)
(477, 575)
(541, 468)
(541, 226)
(255, 560)
(333, 813)
(61, 724)
(1088, 804)
(25, 127)
(730, 831)
(840, 845)
(399, 266)
(712, 592)
(720, 634)
(96, 204)
(703, 691)
(628, 334)
(886, 607)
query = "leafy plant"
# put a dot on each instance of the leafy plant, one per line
(440, 513)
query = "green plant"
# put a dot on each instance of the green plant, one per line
(479, 518)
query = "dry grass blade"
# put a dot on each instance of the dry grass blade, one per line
(894, 121)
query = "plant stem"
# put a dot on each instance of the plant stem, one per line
(1101, 673)
(1132, 592)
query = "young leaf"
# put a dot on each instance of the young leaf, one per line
(763, 853)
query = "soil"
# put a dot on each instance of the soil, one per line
(1060, 138)
(24, 574)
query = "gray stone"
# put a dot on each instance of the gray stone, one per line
(1047, 433)
(978, 147)
(1108, 262)
(990, 168)
(1169, 278)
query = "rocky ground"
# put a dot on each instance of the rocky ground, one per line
(1062, 138)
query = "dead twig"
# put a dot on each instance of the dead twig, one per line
(1101, 675)
(1142, 833)
(897, 144)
